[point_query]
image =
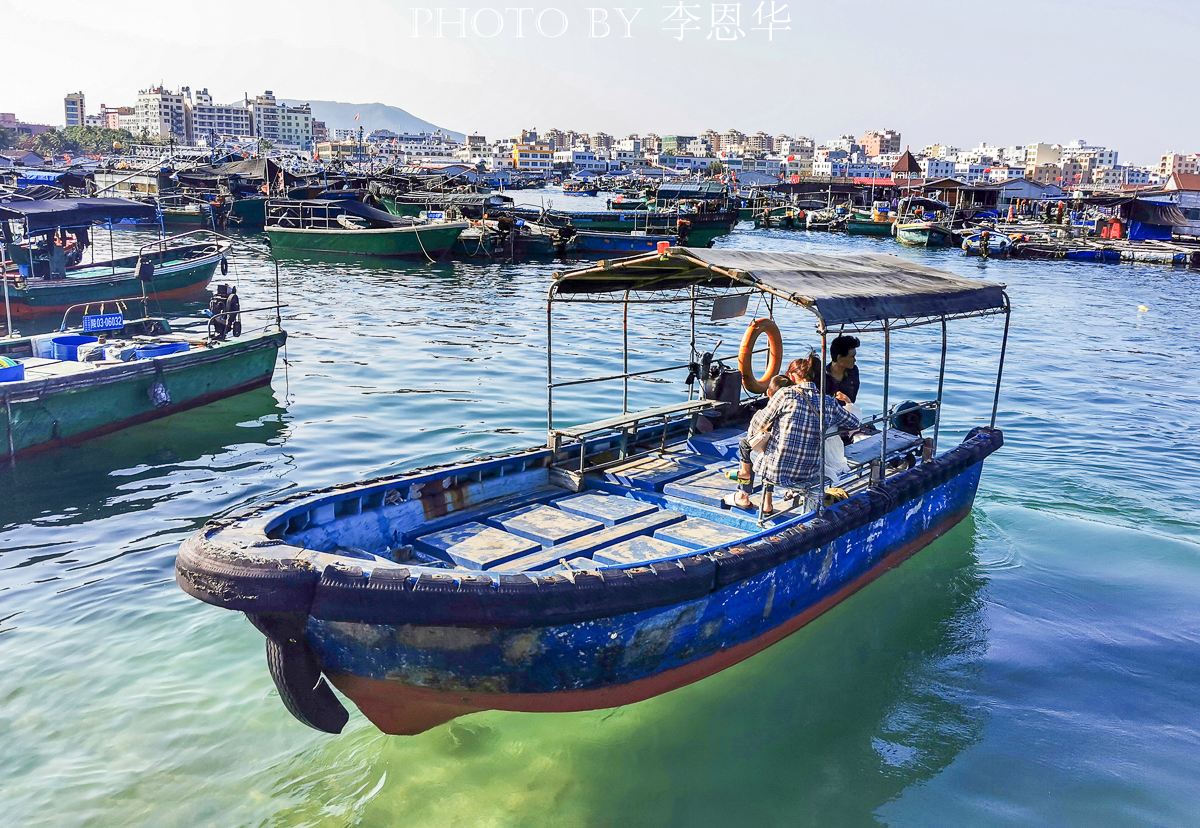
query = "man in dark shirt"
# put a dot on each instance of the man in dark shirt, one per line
(841, 375)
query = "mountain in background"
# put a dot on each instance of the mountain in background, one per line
(371, 116)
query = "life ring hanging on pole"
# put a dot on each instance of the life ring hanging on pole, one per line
(753, 384)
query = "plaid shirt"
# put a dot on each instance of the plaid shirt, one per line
(792, 456)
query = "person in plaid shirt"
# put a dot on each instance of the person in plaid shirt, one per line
(792, 456)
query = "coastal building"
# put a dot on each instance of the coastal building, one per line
(935, 167)
(578, 159)
(1083, 152)
(1173, 163)
(760, 142)
(320, 131)
(846, 143)
(535, 156)
(94, 121)
(1037, 155)
(281, 124)
(210, 120)
(9, 120)
(74, 111)
(969, 172)
(119, 117)
(876, 143)
(1044, 173)
(733, 140)
(676, 143)
(163, 115)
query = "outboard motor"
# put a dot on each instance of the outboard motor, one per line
(218, 306)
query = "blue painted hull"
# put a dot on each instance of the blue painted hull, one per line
(592, 242)
(407, 678)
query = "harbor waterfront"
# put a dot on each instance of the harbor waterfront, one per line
(1036, 664)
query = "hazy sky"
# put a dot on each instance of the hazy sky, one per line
(1113, 72)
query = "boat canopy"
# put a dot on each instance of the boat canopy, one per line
(40, 216)
(704, 190)
(840, 290)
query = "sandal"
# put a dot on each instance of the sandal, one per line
(729, 500)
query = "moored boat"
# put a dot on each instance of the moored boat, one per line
(601, 568)
(925, 234)
(57, 268)
(987, 244)
(111, 373)
(596, 241)
(858, 225)
(351, 227)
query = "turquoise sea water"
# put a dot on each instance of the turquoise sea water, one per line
(1037, 665)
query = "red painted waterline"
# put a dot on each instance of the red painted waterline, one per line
(147, 416)
(21, 310)
(403, 710)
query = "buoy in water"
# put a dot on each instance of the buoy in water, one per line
(1143, 308)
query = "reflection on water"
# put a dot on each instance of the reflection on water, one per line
(871, 698)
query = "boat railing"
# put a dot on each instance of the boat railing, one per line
(160, 246)
(304, 215)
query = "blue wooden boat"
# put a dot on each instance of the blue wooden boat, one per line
(601, 568)
(596, 241)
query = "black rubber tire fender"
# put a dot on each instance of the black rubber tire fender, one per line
(296, 671)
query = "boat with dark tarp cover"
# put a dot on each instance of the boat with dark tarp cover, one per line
(604, 567)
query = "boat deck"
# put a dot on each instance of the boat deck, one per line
(657, 507)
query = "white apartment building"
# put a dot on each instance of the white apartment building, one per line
(580, 159)
(970, 172)
(1079, 150)
(281, 124)
(936, 168)
(163, 115)
(209, 119)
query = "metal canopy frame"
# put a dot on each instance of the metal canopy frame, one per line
(661, 287)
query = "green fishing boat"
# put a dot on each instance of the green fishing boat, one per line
(352, 228)
(925, 234)
(67, 387)
(56, 265)
(859, 225)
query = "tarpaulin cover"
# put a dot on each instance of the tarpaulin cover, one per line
(74, 212)
(28, 177)
(252, 170)
(377, 218)
(843, 289)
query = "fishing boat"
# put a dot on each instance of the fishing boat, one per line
(580, 188)
(603, 568)
(601, 242)
(925, 234)
(111, 372)
(514, 239)
(185, 211)
(56, 265)
(861, 224)
(998, 245)
(350, 227)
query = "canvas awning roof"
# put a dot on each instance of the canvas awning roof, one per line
(841, 290)
(74, 212)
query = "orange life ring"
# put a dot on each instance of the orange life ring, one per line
(753, 384)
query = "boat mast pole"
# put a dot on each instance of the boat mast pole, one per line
(550, 374)
(1003, 349)
(8, 331)
(821, 419)
(625, 361)
(937, 423)
(887, 368)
